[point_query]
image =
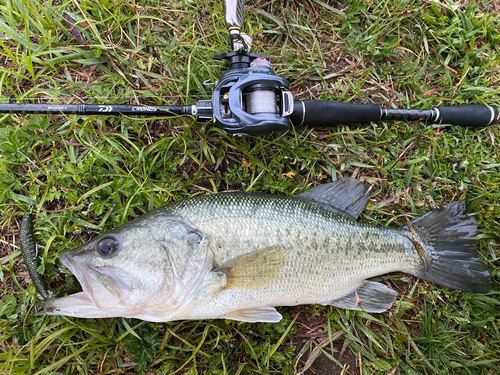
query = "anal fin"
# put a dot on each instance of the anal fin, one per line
(265, 314)
(371, 297)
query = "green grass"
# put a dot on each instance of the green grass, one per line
(90, 174)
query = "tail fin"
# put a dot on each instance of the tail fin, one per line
(447, 236)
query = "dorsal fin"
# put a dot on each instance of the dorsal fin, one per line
(347, 194)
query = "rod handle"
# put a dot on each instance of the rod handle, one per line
(467, 115)
(327, 113)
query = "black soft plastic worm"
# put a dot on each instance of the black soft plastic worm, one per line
(29, 253)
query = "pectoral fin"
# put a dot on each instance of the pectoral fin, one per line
(264, 314)
(370, 297)
(255, 270)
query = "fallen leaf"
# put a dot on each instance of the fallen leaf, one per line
(246, 164)
(289, 174)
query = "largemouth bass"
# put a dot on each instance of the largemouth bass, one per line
(238, 255)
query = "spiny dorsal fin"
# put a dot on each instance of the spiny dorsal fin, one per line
(255, 270)
(347, 194)
(264, 314)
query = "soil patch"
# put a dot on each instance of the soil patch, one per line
(311, 327)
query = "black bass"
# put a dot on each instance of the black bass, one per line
(237, 255)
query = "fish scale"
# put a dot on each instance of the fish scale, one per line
(238, 255)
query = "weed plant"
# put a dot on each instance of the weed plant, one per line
(88, 174)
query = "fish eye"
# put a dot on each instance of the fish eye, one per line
(107, 246)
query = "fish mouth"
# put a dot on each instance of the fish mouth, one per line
(78, 272)
(101, 296)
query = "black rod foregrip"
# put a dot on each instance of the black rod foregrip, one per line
(466, 115)
(96, 109)
(327, 113)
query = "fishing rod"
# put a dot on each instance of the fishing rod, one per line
(250, 98)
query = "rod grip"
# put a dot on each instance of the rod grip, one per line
(467, 115)
(327, 113)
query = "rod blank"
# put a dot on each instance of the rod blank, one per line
(97, 109)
